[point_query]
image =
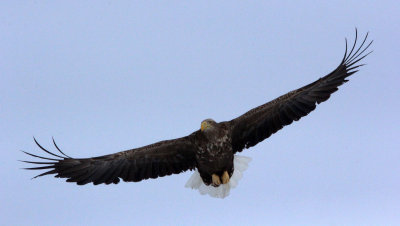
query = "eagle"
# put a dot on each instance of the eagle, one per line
(210, 151)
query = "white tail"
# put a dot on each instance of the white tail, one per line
(240, 164)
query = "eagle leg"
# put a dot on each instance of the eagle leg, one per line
(215, 180)
(225, 177)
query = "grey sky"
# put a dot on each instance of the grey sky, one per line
(105, 76)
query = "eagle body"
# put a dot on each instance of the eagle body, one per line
(211, 151)
(215, 154)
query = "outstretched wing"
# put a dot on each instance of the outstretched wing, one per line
(152, 161)
(261, 122)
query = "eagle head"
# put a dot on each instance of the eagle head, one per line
(208, 125)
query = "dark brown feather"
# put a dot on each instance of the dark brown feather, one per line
(265, 120)
(152, 161)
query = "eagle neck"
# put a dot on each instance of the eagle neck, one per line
(214, 134)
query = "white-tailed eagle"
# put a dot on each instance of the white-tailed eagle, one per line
(210, 151)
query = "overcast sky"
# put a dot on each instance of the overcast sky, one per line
(106, 76)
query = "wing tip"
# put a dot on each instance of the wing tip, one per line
(352, 58)
(50, 164)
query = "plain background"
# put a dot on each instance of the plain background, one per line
(106, 76)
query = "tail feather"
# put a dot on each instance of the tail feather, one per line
(240, 164)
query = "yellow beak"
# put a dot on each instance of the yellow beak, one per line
(203, 126)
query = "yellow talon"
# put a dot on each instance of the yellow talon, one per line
(215, 180)
(225, 177)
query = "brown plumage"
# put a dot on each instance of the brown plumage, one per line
(210, 149)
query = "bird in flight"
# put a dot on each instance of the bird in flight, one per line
(211, 150)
